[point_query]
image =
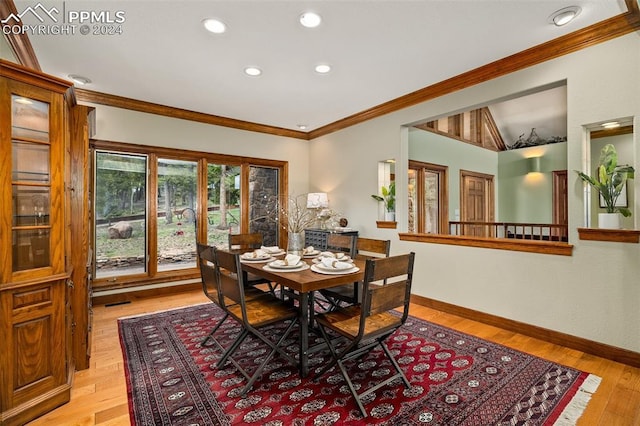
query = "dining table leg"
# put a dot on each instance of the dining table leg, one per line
(304, 334)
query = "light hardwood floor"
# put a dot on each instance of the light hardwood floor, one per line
(99, 395)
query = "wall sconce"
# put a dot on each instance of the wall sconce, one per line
(534, 164)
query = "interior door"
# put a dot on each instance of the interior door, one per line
(560, 210)
(476, 203)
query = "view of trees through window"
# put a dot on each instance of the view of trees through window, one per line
(120, 213)
(176, 223)
(223, 203)
(147, 212)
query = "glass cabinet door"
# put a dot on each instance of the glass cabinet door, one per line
(30, 183)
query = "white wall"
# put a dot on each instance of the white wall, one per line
(443, 151)
(118, 125)
(594, 294)
(528, 197)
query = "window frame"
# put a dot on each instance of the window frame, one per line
(421, 167)
(153, 153)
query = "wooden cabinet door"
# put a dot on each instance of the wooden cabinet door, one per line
(35, 368)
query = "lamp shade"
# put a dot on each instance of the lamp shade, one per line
(317, 200)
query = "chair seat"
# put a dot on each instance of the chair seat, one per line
(262, 311)
(346, 321)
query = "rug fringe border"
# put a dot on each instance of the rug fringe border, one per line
(575, 408)
(163, 311)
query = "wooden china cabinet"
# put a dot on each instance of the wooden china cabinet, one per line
(36, 365)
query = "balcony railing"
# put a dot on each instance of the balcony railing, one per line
(522, 231)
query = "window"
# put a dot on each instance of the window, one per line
(427, 198)
(176, 214)
(120, 207)
(152, 204)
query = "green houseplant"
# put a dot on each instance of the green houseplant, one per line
(388, 198)
(610, 180)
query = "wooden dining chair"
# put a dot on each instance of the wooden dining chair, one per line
(248, 241)
(345, 294)
(367, 248)
(208, 274)
(253, 315)
(362, 328)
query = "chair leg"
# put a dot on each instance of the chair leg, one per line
(395, 365)
(211, 334)
(275, 347)
(232, 348)
(352, 389)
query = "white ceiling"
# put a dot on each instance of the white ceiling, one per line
(379, 51)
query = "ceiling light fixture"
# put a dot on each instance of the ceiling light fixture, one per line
(253, 71)
(611, 125)
(310, 19)
(78, 79)
(323, 68)
(214, 25)
(564, 16)
(302, 126)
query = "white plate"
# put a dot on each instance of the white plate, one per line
(273, 252)
(279, 264)
(257, 259)
(297, 269)
(330, 269)
(315, 268)
(312, 254)
(249, 256)
(346, 259)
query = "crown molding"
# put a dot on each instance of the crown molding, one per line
(589, 36)
(20, 43)
(152, 108)
(595, 34)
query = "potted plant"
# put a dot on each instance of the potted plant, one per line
(389, 199)
(609, 182)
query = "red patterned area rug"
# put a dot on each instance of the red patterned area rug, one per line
(456, 379)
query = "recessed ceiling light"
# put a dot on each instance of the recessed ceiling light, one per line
(611, 125)
(78, 79)
(564, 16)
(323, 68)
(302, 126)
(310, 19)
(214, 25)
(253, 71)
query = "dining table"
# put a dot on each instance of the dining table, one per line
(304, 283)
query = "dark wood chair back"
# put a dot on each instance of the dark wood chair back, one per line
(343, 243)
(245, 241)
(396, 276)
(367, 248)
(230, 279)
(206, 264)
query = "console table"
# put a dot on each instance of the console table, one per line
(318, 237)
